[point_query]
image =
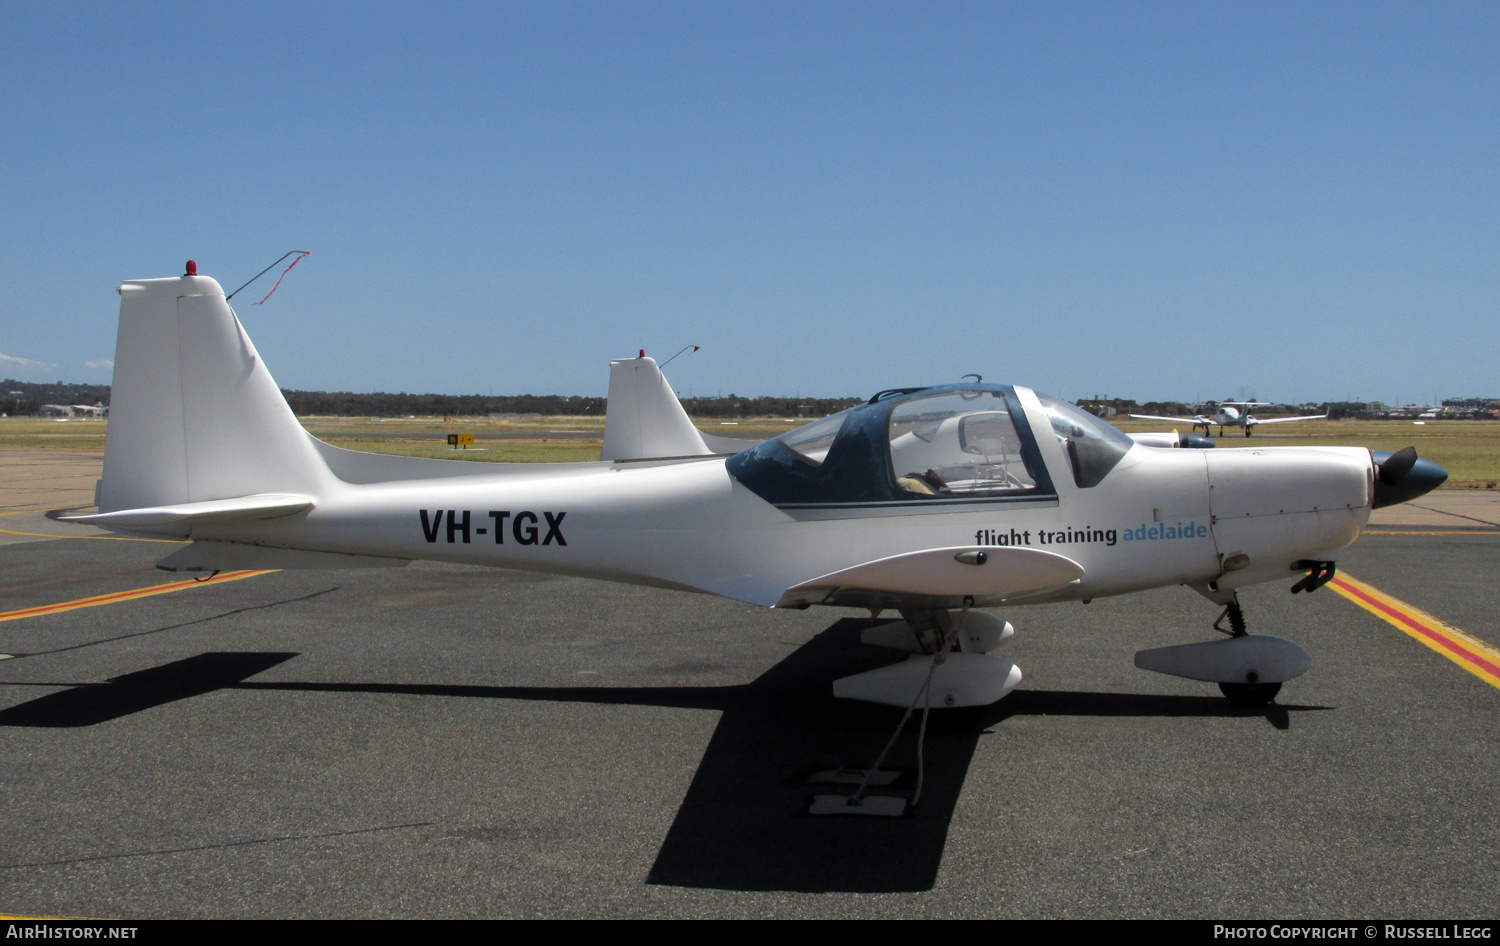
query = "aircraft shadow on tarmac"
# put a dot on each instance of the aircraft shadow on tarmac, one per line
(93, 703)
(743, 823)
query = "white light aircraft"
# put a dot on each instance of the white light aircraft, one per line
(928, 501)
(1229, 415)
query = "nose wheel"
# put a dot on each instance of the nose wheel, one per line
(1249, 668)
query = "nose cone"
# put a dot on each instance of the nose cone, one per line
(1403, 476)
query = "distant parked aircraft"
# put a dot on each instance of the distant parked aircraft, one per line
(1228, 415)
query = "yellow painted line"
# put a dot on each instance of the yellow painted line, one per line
(129, 595)
(1466, 650)
(8, 916)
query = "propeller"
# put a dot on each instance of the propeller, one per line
(1403, 476)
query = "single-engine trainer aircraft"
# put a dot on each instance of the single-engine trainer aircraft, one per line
(928, 501)
(1229, 414)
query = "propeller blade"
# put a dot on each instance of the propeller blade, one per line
(1397, 465)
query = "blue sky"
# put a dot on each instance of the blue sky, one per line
(1156, 200)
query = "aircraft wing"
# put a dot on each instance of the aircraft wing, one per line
(1283, 420)
(939, 578)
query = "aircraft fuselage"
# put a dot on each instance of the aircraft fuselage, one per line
(1161, 516)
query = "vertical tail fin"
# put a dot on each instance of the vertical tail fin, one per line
(194, 414)
(644, 419)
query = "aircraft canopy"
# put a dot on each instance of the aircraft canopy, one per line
(951, 444)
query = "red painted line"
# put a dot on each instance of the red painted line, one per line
(1395, 616)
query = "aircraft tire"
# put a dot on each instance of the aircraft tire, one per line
(1250, 694)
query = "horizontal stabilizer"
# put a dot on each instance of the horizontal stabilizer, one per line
(233, 556)
(939, 578)
(1251, 658)
(263, 506)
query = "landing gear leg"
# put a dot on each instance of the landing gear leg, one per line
(1236, 617)
(1252, 692)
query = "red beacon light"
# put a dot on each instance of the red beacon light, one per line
(192, 269)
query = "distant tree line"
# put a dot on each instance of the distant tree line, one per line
(24, 398)
(379, 404)
(736, 406)
(349, 404)
(1111, 406)
(20, 398)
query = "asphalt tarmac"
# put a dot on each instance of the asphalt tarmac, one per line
(442, 741)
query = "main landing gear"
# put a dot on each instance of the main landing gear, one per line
(948, 666)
